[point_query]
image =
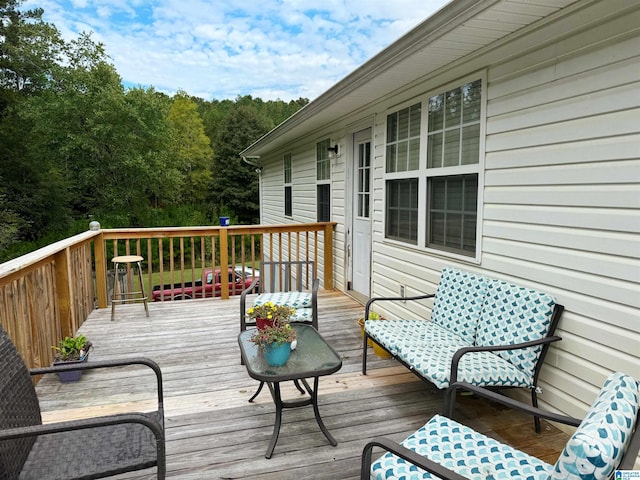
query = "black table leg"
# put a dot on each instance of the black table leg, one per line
(314, 400)
(257, 392)
(277, 399)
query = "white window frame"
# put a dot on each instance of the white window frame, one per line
(423, 173)
(323, 160)
(288, 183)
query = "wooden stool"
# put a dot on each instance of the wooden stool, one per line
(124, 297)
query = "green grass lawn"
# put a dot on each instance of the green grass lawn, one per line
(155, 278)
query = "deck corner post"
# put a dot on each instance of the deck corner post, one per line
(224, 262)
(101, 270)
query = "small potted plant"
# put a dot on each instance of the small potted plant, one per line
(268, 314)
(275, 342)
(71, 350)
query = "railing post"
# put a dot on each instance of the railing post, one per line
(64, 292)
(101, 270)
(328, 256)
(224, 264)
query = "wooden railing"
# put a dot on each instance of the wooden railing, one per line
(48, 294)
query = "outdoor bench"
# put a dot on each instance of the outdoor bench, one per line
(482, 331)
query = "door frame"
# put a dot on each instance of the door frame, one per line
(350, 170)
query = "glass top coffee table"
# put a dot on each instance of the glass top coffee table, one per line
(312, 358)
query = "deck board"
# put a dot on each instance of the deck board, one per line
(214, 433)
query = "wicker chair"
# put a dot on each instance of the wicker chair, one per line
(80, 449)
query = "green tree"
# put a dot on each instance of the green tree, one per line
(191, 148)
(30, 48)
(235, 184)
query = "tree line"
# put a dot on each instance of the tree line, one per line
(76, 145)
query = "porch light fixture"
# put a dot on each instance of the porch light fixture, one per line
(333, 149)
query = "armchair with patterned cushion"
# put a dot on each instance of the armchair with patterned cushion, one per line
(606, 440)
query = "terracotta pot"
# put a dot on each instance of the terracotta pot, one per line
(262, 323)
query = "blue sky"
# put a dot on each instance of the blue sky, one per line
(271, 49)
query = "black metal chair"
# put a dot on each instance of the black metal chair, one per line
(293, 283)
(79, 449)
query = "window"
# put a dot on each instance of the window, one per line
(452, 212)
(324, 203)
(323, 180)
(402, 210)
(323, 164)
(364, 179)
(288, 187)
(432, 188)
(403, 139)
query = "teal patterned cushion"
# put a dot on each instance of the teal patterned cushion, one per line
(513, 314)
(290, 299)
(458, 302)
(593, 452)
(478, 368)
(462, 450)
(400, 334)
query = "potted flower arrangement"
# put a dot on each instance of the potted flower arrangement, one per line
(71, 350)
(268, 313)
(275, 336)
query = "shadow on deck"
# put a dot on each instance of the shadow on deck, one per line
(214, 433)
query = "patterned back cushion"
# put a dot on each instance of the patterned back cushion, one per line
(594, 451)
(513, 314)
(458, 302)
(290, 299)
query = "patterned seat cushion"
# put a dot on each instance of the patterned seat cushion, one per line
(302, 315)
(479, 368)
(513, 314)
(593, 452)
(458, 302)
(397, 335)
(290, 299)
(462, 450)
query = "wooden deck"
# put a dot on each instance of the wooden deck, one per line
(214, 433)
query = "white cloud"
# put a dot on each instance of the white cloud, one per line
(221, 49)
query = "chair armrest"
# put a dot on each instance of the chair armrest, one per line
(91, 365)
(514, 404)
(49, 428)
(249, 289)
(453, 376)
(243, 303)
(367, 307)
(406, 454)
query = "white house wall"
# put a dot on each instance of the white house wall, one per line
(561, 196)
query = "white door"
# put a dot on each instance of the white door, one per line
(361, 239)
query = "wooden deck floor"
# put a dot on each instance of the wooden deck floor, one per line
(214, 433)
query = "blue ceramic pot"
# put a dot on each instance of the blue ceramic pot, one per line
(277, 355)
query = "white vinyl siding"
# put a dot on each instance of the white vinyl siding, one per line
(561, 206)
(559, 182)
